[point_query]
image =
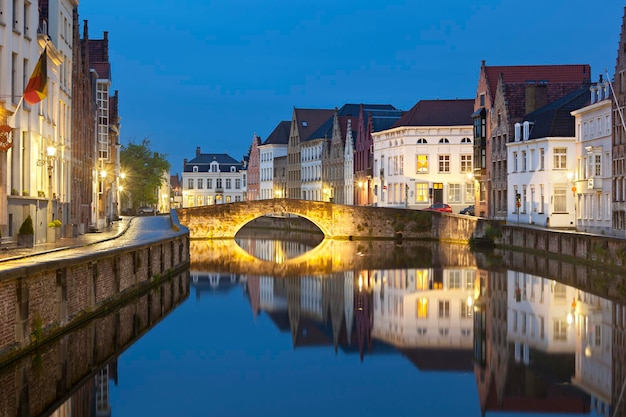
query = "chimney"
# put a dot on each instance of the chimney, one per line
(198, 151)
(106, 46)
(184, 162)
(536, 96)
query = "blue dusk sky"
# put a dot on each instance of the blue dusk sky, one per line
(212, 73)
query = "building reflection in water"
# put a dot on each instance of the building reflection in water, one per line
(71, 375)
(534, 344)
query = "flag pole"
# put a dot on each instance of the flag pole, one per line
(11, 118)
(619, 110)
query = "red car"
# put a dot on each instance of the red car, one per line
(440, 207)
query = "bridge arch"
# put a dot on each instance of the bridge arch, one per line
(336, 221)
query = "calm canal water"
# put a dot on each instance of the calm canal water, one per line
(366, 329)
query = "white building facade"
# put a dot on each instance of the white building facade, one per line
(541, 180)
(267, 154)
(311, 155)
(593, 162)
(213, 179)
(415, 167)
(36, 139)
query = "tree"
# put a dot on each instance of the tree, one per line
(144, 170)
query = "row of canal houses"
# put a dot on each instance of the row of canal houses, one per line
(59, 153)
(538, 144)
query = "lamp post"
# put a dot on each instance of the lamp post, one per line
(103, 176)
(50, 155)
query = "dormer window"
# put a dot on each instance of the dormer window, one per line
(528, 126)
(232, 169)
(214, 167)
(195, 168)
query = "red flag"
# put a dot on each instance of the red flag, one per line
(37, 84)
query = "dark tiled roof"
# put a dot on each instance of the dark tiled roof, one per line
(555, 120)
(438, 113)
(354, 109)
(174, 181)
(383, 115)
(203, 161)
(576, 74)
(310, 120)
(280, 134)
(324, 131)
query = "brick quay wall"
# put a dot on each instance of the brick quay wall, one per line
(42, 298)
(76, 364)
(581, 248)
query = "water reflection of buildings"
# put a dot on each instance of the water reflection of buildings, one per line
(525, 344)
(91, 398)
(211, 283)
(71, 375)
(427, 314)
(537, 345)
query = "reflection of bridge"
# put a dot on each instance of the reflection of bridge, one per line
(224, 255)
(334, 220)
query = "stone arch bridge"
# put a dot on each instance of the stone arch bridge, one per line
(336, 221)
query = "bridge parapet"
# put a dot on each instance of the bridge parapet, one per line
(336, 221)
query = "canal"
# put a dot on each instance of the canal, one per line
(364, 329)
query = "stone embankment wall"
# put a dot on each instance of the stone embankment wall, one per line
(596, 250)
(40, 301)
(69, 366)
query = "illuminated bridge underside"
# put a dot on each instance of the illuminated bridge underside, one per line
(336, 221)
(330, 256)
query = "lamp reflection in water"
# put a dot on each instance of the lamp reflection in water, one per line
(571, 314)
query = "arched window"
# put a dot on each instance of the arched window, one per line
(195, 168)
(466, 140)
(422, 140)
(444, 140)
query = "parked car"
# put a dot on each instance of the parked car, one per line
(145, 210)
(469, 210)
(443, 207)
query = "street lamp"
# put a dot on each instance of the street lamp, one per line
(103, 176)
(50, 155)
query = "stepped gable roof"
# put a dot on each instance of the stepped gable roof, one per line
(310, 120)
(99, 57)
(555, 119)
(455, 112)
(576, 73)
(203, 161)
(280, 134)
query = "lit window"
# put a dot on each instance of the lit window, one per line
(422, 164)
(421, 310)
